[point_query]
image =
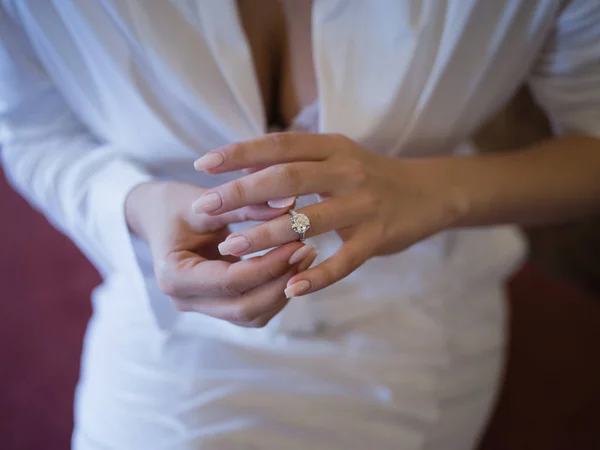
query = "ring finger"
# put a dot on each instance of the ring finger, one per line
(332, 214)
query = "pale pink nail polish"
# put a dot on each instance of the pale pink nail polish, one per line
(234, 245)
(307, 262)
(211, 160)
(297, 289)
(207, 203)
(282, 202)
(300, 254)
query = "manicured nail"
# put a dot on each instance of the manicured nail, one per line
(300, 254)
(207, 203)
(297, 289)
(234, 245)
(210, 160)
(307, 262)
(282, 202)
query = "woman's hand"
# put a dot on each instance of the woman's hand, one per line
(378, 205)
(189, 267)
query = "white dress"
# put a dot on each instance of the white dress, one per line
(97, 96)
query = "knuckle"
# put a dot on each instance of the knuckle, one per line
(290, 175)
(376, 246)
(271, 273)
(361, 172)
(346, 148)
(342, 142)
(263, 235)
(261, 322)
(279, 141)
(182, 305)
(231, 289)
(376, 201)
(367, 201)
(239, 191)
(243, 214)
(263, 319)
(339, 137)
(358, 172)
(167, 286)
(242, 313)
(246, 324)
(165, 279)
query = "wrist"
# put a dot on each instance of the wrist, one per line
(475, 187)
(455, 196)
(137, 205)
(449, 196)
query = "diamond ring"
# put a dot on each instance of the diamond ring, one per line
(300, 223)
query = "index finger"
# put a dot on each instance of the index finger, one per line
(275, 148)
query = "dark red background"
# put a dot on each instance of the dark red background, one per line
(550, 399)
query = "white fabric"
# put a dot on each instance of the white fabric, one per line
(97, 96)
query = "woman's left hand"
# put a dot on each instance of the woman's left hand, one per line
(378, 205)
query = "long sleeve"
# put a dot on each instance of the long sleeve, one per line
(566, 78)
(79, 183)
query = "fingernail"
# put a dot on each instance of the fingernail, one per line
(297, 289)
(300, 254)
(307, 262)
(210, 160)
(282, 202)
(234, 245)
(207, 203)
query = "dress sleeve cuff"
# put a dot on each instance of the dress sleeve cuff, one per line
(107, 203)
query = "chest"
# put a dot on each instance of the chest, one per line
(279, 36)
(168, 79)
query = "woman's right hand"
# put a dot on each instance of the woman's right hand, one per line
(189, 267)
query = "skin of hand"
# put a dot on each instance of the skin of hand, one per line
(190, 269)
(377, 205)
(380, 205)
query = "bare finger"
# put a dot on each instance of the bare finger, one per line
(274, 148)
(259, 213)
(332, 214)
(185, 274)
(347, 259)
(253, 309)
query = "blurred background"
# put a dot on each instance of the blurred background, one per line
(550, 399)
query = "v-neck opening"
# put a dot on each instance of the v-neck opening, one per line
(263, 124)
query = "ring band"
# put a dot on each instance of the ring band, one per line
(300, 223)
